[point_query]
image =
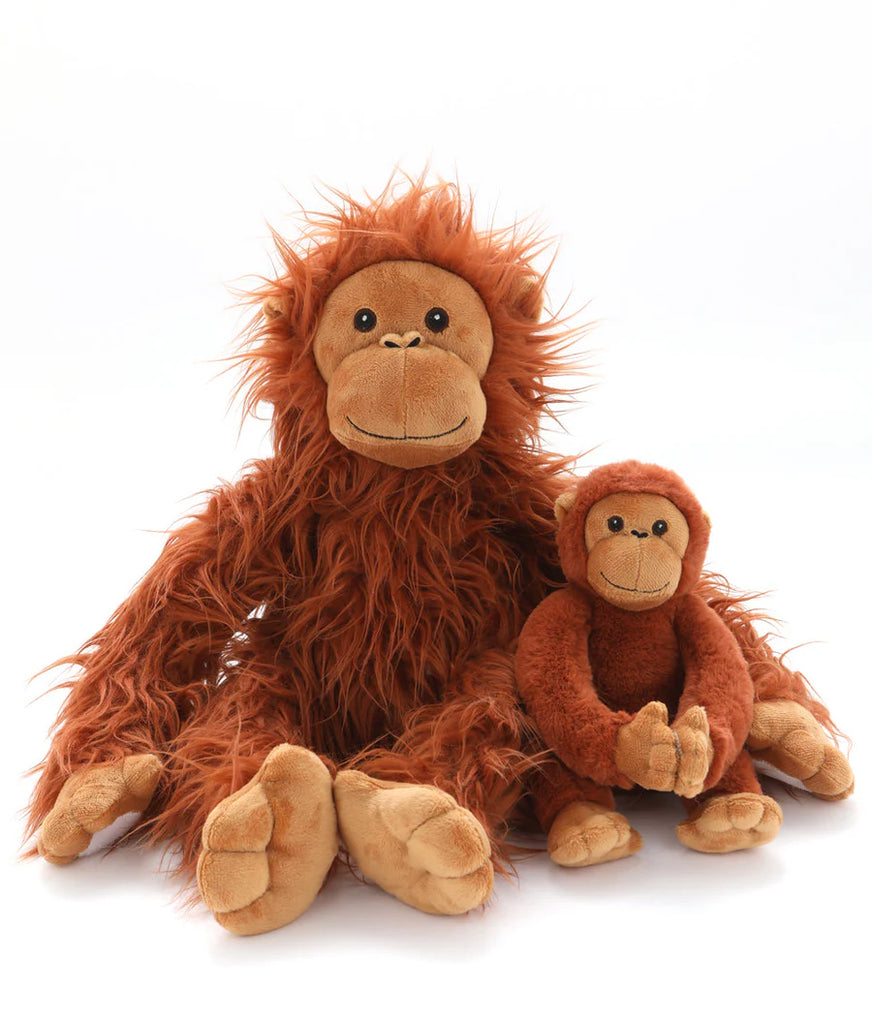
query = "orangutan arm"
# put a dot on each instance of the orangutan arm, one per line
(150, 666)
(555, 681)
(783, 702)
(716, 679)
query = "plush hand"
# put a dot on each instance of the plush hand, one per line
(91, 800)
(787, 736)
(655, 756)
(647, 749)
(695, 751)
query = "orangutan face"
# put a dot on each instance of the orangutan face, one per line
(403, 346)
(635, 544)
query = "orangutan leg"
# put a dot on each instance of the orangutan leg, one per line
(587, 833)
(427, 818)
(733, 816)
(580, 818)
(245, 813)
(91, 800)
(787, 736)
(415, 842)
(267, 848)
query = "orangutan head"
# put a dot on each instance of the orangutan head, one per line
(402, 333)
(403, 346)
(632, 533)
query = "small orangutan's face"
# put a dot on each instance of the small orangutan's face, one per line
(635, 544)
(403, 346)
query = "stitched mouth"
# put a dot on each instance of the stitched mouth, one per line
(632, 590)
(408, 437)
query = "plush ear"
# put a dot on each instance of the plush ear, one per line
(530, 297)
(273, 307)
(563, 504)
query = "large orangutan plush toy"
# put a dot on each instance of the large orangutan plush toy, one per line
(634, 680)
(324, 651)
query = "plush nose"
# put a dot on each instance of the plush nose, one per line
(408, 340)
(639, 533)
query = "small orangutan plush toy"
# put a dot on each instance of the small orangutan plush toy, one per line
(633, 679)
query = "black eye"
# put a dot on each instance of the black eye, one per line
(615, 524)
(436, 320)
(660, 527)
(364, 320)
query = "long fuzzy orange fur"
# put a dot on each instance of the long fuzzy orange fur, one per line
(366, 611)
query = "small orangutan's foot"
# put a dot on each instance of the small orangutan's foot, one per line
(587, 833)
(91, 800)
(787, 736)
(415, 842)
(267, 848)
(732, 821)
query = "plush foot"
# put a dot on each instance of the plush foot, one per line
(268, 847)
(587, 833)
(415, 842)
(734, 821)
(787, 736)
(91, 800)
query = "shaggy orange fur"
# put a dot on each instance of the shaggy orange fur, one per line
(329, 600)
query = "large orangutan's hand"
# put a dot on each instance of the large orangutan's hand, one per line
(695, 751)
(91, 800)
(646, 750)
(787, 736)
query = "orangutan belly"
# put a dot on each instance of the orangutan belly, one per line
(358, 655)
(635, 658)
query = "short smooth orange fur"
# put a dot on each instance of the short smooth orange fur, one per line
(634, 680)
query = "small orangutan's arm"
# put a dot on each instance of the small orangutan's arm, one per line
(716, 680)
(554, 678)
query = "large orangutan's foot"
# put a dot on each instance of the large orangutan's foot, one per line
(91, 800)
(733, 821)
(416, 842)
(587, 833)
(787, 736)
(268, 847)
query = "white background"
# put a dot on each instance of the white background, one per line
(707, 168)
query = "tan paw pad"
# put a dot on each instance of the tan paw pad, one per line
(834, 780)
(585, 834)
(241, 823)
(415, 842)
(268, 847)
(735, 821)
(230, 880)
(450, 844)
(450, 896)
